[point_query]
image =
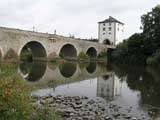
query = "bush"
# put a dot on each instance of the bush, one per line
(61, 55)
(26, 56)
(82, 55)
(131, 51)
(15, 102)
(154, 59)
(14, 98)
(102, 54)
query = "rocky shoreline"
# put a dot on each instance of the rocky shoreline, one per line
(84, 108)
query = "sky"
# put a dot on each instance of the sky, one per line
(78, 17)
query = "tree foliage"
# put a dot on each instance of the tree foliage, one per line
(140, 46)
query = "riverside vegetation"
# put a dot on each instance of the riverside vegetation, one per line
(142, 48)
(15, 98)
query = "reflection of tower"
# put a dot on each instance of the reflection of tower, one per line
(108, 87)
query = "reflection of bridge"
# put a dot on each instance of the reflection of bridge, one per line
(44, 46)
(53, 75)
(43, 73)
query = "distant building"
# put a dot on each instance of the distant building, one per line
(110, 31)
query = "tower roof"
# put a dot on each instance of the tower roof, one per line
(111, 19)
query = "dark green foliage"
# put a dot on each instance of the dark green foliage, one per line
(61, 55)
(130, 51)
(140, 46)
(154, 60)
(26, 56)
(102, 54)
(120, 55)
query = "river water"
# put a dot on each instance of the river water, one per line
(133, 87)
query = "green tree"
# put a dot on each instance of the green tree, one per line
(151, 30)
(140, 46)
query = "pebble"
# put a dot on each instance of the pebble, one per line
(83, 108)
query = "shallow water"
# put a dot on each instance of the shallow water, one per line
(126, 86)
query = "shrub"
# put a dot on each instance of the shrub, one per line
(61, 55)
(154, 59)
(26, 55)
(82, 55)
(102, 54)
(14, 98)
(15, 102)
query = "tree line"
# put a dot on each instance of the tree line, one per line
(141, 48)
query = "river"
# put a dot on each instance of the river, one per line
(135, 89)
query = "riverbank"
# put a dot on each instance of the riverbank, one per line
(84, 108)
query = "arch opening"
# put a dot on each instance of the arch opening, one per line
(68, 51)
(33, 51)
(91, 52)
(107, 42)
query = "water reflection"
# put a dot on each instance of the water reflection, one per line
(146, 81)
(108, 87)
(68, 69)
(125, 85)
(32, 71)
(91, 68)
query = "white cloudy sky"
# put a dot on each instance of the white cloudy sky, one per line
(77, 17)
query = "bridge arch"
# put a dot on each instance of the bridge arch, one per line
(36, 48)
(68, 50)
(107, 42)
(91, 52)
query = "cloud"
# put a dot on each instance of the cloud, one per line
(77, 17)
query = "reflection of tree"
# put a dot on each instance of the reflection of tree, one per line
(143, 80)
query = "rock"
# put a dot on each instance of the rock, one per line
(108, 118)
(79, 102)
(83, 108)
(133, 118)
(42, 102)
(127, 117)
(116, 115)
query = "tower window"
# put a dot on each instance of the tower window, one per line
(104, 29)
(104, 24)
(109, 28)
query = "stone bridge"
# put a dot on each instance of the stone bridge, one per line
(44, 46)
